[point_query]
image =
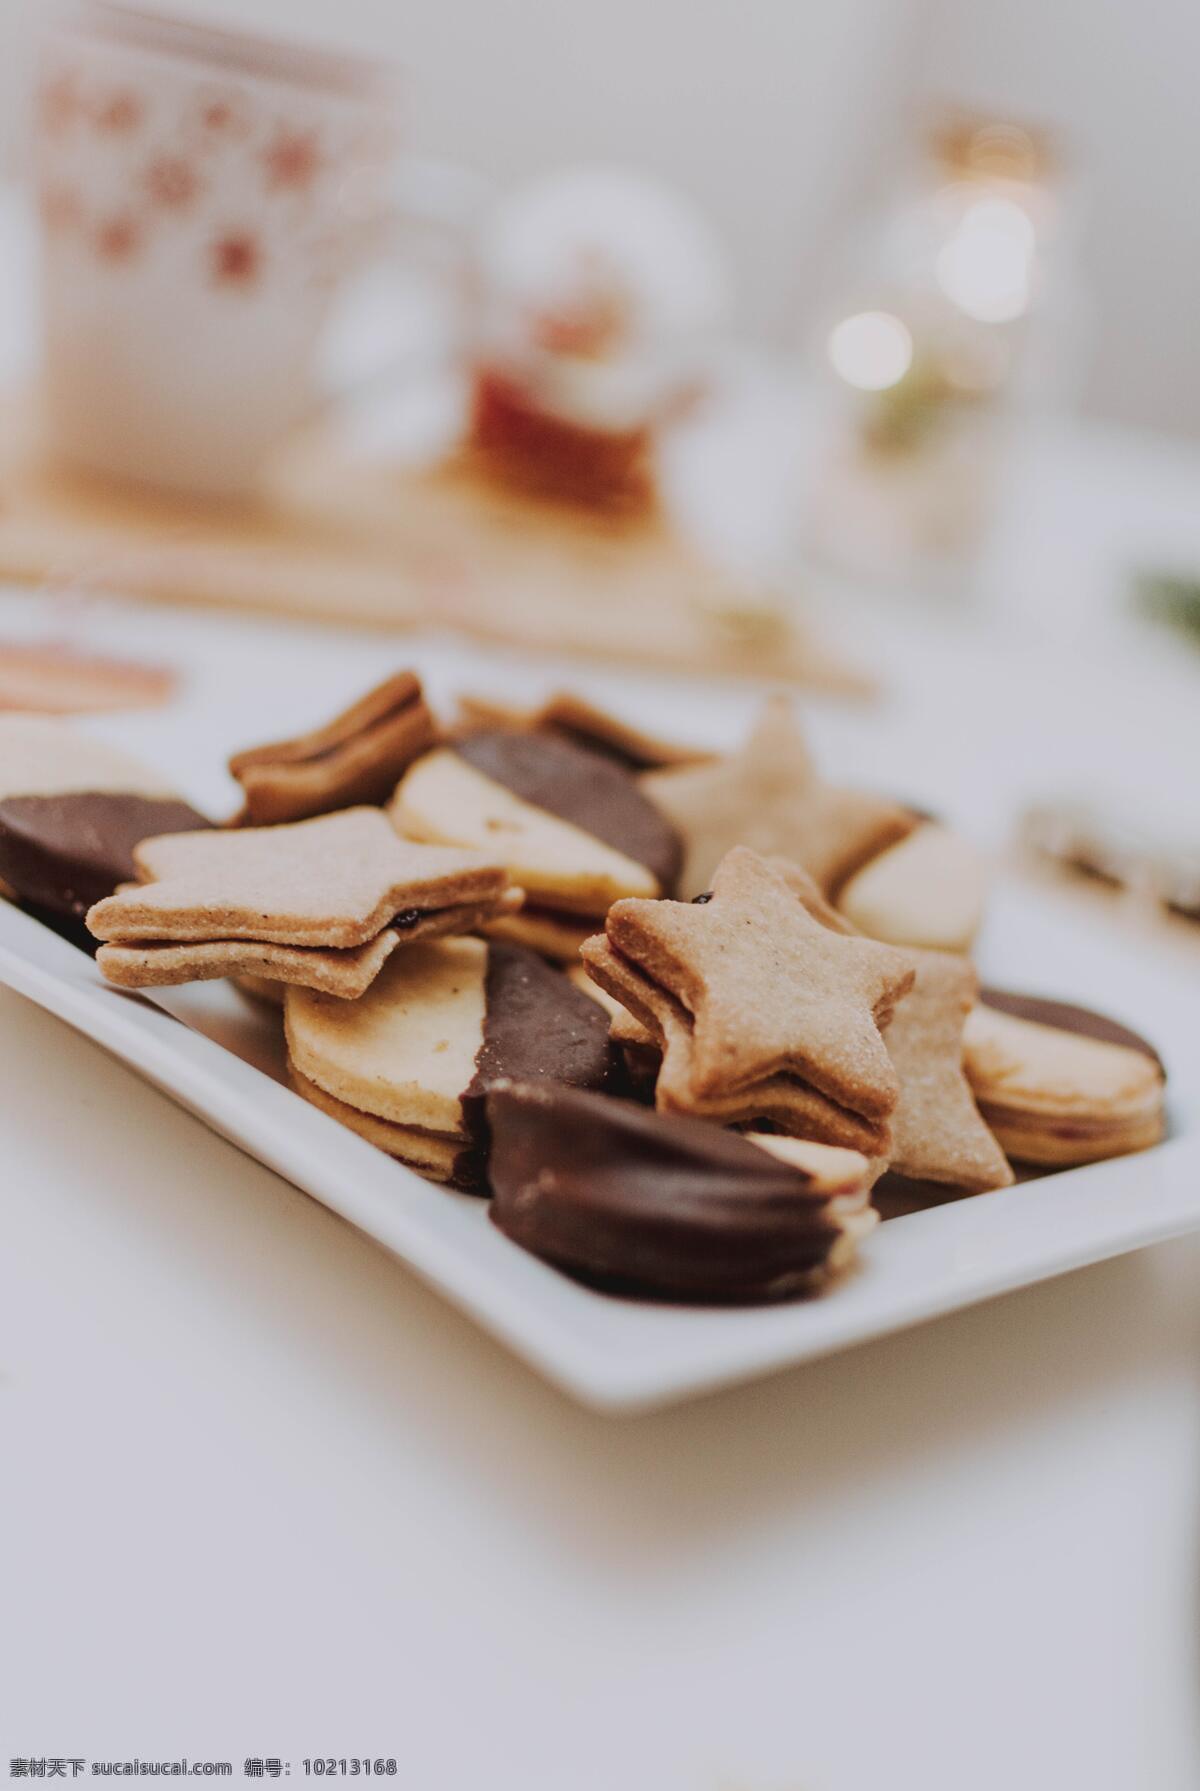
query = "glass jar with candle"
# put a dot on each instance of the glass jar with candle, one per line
(957, 310)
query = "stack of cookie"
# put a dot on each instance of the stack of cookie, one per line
(321, 903)
(409, 1065)
(576, 832)
(355, 757)
(411, 899)
(759, 1011)
(1060, 1085)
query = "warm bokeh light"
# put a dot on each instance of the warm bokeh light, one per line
(986, 267)
(871, 350)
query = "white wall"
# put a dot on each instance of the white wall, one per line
(767, 109)
(1121, 79)
(780, 114)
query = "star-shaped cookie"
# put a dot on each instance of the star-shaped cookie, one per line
(334, 881)
(658, 1029)
(767, 795)
(769, 989)
(938, 1134)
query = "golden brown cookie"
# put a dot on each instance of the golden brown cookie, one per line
(345, 972)
(656, 1036)
(256, 964)
(357, 757)
(430, 1036)
(429, 1153)
(768, 988)
(337, 880)
(1073, 1091)
(938, 1134)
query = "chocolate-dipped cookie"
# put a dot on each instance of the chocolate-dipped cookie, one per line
(577, 718)
(417, 1054)
(72, 809)
(669, 1207)
(576, 831)
(1060, 1085)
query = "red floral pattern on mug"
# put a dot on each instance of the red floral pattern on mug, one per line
(223, 114)
(138, 165)
(171, 180)
(120, 113)
(60, 207)
(236, 259)
(118, 238)
(59, 104)
(292, 160)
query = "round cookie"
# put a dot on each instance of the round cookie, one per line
(927, 890)
(405, 1051)
(72, 809)
(428, 1153)
(1060, 1085)
(439, 1025)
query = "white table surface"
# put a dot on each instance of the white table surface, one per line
(261, 1494)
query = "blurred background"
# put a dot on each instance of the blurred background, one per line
(664, 352)
(784, 121)
(848, 348)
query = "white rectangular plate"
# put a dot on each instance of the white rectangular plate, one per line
(220, 1057)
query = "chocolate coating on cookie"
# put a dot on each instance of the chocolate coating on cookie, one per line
(652, 1204)
(65, 852)
(1068, 1018)
(583, 787)
(537, 1027)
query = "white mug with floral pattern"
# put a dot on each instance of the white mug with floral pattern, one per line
(204, 197)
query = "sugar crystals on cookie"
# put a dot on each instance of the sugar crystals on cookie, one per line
(751, 997)
(768, 988)
(938, 1133)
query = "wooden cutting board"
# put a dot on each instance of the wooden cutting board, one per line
(363, 541)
